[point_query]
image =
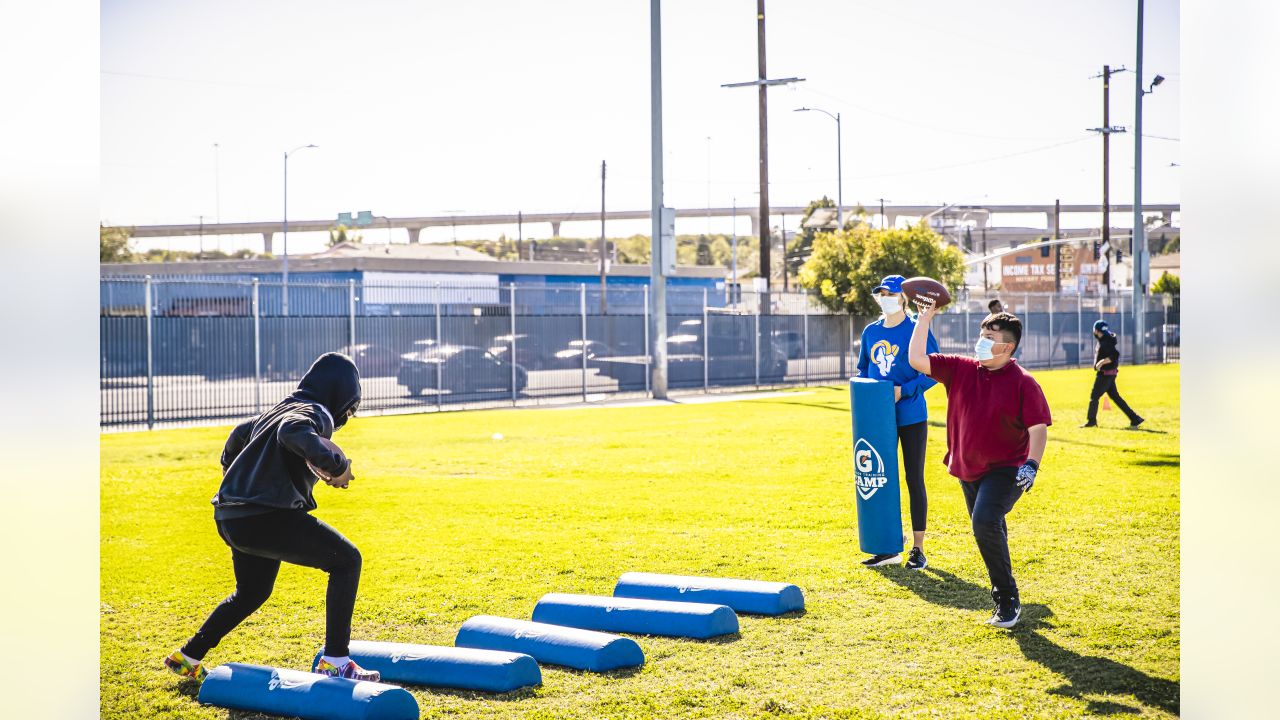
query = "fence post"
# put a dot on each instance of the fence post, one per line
(647, 392)
(1051, 331)
(351, 314)
(439, 355)
(706, 357)
(1120, 342)
(1026, 319)
(1164, 334)
(151, 401)
(513, 343)
(1079, 324)
(257, 351)
(967, 344)
(805, 295)
(582, 310)
(755, 345)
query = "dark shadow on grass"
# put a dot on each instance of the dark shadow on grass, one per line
(526, 693)
(619, 673)
(1085, 674)
(816, 406)
(1159, 463)
(1145, 430)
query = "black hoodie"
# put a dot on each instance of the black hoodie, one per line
(264, 463)
(1107, 349)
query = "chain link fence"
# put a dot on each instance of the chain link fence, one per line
(208, 350)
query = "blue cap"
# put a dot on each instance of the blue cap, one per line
(1101, 325)
(892, 283)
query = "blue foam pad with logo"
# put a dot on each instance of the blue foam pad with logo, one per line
(551, 644)
(294, 693)
(746, 596)
(875, 466)
(450, 667)
(631, 615)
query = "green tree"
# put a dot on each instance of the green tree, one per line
(1167, 284)
(338, 235)
(845, 265)
(114, 245)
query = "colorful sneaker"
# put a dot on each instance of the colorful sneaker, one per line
(178, 663)
(349, 670)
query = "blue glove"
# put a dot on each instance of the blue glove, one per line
(1027, 475)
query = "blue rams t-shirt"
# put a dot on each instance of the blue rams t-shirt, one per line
(884, 357)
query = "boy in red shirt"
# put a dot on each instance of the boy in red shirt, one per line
(997, 427)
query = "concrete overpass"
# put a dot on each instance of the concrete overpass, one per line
(980, 214)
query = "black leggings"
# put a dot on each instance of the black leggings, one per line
(912, 438)
(1106, 385)
(259, 543)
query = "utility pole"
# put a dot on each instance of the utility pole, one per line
(658, 291)
(604, 300)
(1107, 129)
(986, 286)
(764, 152)
(1140, 255)
(885, 221)
(520, 235)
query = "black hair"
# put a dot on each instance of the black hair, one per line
(1006, 323)
(994, 301)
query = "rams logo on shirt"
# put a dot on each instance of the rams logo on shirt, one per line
(883, 354)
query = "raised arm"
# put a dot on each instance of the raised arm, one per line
(917, 352)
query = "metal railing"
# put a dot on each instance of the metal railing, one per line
(178, 351)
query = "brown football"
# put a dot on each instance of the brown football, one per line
(924, 287)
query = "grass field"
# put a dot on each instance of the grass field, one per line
(452, 524)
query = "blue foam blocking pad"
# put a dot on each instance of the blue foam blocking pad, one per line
(294, 693)
(757, 597)
(630, 615)
(450, 667)
(551, 644)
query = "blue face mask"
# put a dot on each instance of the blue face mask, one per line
(983, 348)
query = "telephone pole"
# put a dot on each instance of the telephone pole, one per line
(604, 244)
(1106, 130)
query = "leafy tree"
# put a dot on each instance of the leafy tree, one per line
(114, 245)
(1167, 284)
(338, 235)
(845, 265)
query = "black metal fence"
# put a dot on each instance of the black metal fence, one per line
(182, 351)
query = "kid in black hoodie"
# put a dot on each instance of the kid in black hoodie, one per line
(262, 512)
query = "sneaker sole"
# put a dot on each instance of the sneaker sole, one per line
(921, 566)
(896, 559)
(1006, 625)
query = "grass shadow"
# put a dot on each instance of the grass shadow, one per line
(1145, 430)
(619, 673)
(525, 693)
(1085, 674)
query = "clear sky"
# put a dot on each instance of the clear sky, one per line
(488, 106)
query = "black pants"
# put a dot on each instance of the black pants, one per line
(1106, 385)
(989, 499)
(259, 543)
(912, 438)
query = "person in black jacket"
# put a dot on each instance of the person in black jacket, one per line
(262, 512)
(1107, 364)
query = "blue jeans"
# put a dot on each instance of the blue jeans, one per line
(989, 499)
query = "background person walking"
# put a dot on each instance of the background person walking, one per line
(1107, 363)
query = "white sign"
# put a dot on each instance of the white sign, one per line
(868, 469)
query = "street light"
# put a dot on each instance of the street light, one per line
(1140, 257)
(839, 166)
(285, 287)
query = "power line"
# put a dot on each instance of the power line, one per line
(975, 162)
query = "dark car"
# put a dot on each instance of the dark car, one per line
(529, 350)
(571, 356)
(459, 369)
(791, 342)
(373, 360)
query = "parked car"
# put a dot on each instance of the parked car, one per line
(791, 342)
(571, 356)
(373, 360)
(529, 351)
(460, 368)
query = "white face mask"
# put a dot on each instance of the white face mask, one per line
(889, 304)
(983, 348)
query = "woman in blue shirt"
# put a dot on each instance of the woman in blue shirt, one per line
(884, 357)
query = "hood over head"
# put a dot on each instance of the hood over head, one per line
(334, 382)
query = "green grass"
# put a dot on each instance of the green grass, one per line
(452, 524)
